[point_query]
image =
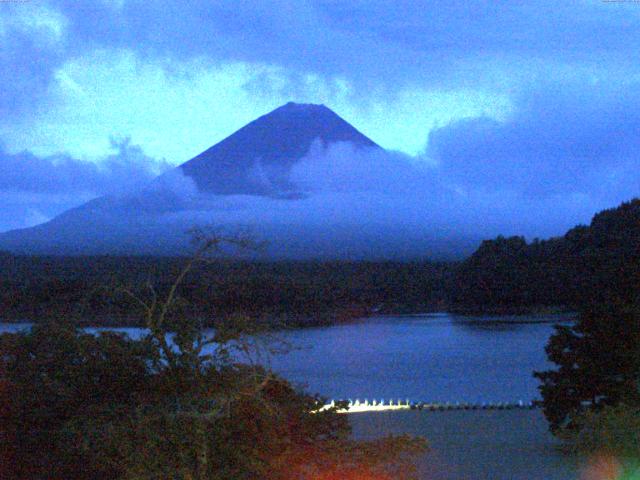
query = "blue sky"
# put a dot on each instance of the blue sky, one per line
(508, 103)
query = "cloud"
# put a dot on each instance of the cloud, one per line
(341, 167)
(357, 203)
(367, 202)
(563, 139)
(31, 49)
(567, 151)
(125, 170)
(34, 189)
(374, 41)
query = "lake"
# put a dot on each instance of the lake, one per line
(431, 357)
(438, 358)
(481, 444)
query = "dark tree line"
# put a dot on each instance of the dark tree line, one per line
(595, 271)
(588, 263)
(508, 274)
(504, 275)
(296, 293)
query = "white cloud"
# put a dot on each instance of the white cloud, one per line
(45, 25)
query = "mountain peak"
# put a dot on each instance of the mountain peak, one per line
(302, 107)
(257, 159)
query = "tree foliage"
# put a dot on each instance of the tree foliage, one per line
(177, 403)
(596, 262)
(598, 364)
(612, 430)
(598, 358)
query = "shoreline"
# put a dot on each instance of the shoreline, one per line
(295, 321)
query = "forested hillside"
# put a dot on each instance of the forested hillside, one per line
(509, 274)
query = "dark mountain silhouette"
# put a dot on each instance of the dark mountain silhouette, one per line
(255, 161)
(257, 158)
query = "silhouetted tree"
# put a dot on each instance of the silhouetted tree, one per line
(598, 358)
(598, 362)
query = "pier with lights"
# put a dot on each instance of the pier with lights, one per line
(357, 406)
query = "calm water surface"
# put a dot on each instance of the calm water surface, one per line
(433, 357)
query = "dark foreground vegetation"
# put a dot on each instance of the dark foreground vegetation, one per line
(80, 406)
(592, 398)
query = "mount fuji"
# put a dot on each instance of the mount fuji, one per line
(257, 178)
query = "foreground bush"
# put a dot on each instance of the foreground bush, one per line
(598, 364)
(75, 405)
(609, 439)
(614, 430)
